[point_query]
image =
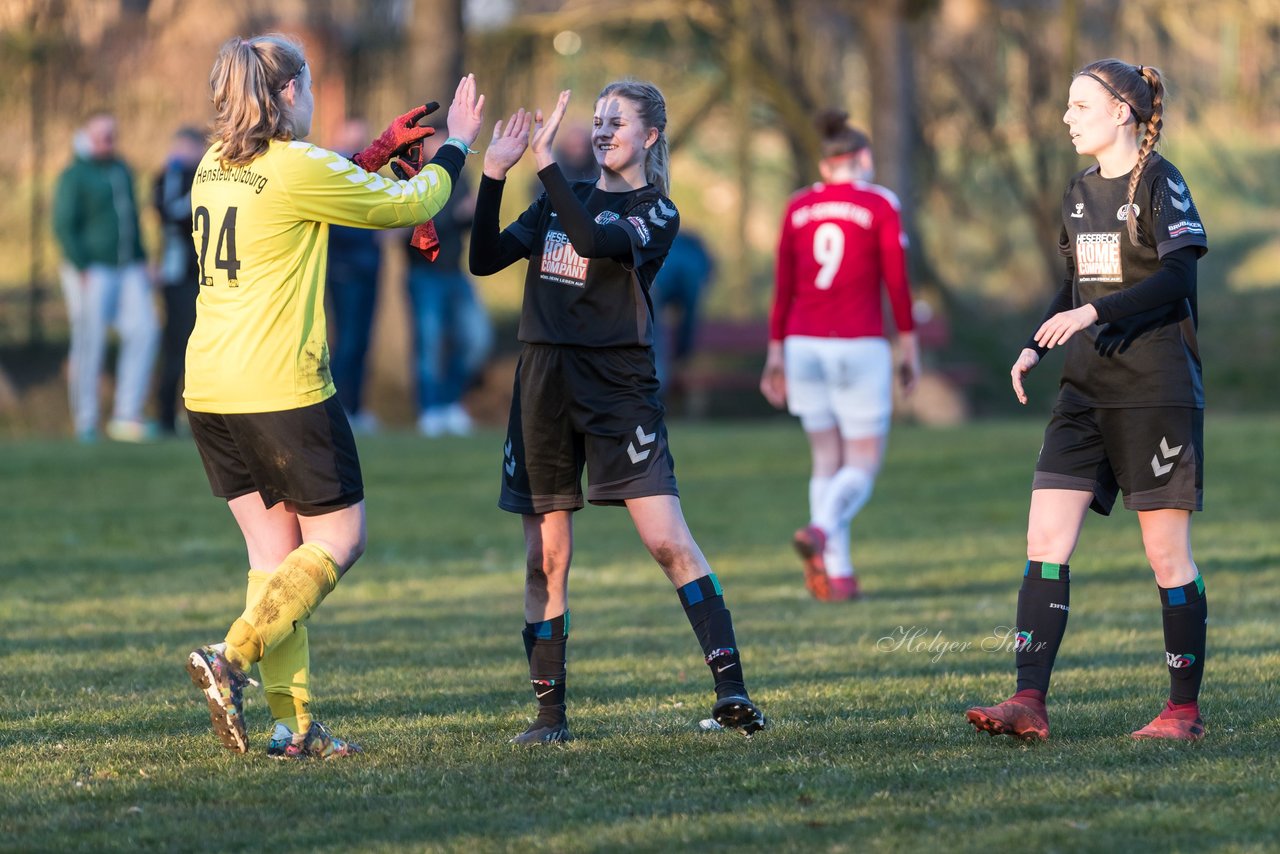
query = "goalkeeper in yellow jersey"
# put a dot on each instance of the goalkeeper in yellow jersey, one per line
(273, 438)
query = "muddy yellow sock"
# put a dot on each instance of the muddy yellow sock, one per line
(289, 596)
(285, 669)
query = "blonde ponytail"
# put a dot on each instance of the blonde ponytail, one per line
(247, 84)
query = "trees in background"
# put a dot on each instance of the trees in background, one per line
(963, 98)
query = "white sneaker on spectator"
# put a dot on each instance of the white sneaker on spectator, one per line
(432, 422)
(364, 423)
(120, 430)
(457, 421)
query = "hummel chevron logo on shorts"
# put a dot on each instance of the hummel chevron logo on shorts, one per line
(1169, 454)
(644, 439)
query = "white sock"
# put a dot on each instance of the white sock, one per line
(818, 487)
(849, 490)
(836, 554)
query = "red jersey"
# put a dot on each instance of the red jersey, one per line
(838, 243)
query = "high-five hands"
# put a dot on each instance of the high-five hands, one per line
(466, 113)
(508, 144)
(544, 134)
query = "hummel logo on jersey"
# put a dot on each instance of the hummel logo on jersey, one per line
(1079, 214)
(1179, 192)
(1169, 454)
(644, 439)
(659, 214)
(508, 459)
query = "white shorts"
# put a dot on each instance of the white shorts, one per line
(845, 382)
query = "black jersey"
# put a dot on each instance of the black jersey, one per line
(1149, 358)
(594, 302)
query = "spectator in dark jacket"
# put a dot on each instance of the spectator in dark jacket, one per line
(179, 274)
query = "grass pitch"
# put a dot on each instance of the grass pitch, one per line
(116, 561)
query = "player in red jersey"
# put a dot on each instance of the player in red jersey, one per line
(828, 360)
(1130, 409)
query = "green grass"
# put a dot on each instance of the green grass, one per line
(116, 561)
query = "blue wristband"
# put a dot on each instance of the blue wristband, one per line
(466, 149)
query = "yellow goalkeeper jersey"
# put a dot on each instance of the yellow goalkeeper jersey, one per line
(262, 234)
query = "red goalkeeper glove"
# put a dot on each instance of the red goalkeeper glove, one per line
(401, 133)
(424, 237)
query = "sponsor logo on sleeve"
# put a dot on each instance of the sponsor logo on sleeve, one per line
(1098, 257)
(560, 262)
(642, 229)
(1185, 226)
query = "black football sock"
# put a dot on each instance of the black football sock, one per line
(1043, 605)
(1186, 612)
(544, 644)
(703, 601)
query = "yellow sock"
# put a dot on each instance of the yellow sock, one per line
(289, 596)
(285, 669)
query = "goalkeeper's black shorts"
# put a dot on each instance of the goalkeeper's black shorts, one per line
(305, 457)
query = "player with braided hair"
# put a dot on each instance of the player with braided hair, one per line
(586, 390)
(1130, 410)
(828, 362)
(273, 437)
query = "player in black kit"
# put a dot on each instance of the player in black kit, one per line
(1130, 410)
(586, 392)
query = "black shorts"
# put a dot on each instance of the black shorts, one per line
(1154, 454)
(306, 457)
(583, 406)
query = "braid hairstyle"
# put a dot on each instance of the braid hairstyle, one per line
(1141, 88)
(247, 81)
(652, 108)
(838, 137)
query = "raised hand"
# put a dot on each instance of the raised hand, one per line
(508, 144)
(544, 134)
(466, 112)
(399, 135)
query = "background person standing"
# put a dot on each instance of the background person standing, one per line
(105, 283)
(179, 274)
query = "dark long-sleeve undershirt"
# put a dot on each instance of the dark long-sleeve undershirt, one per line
(1174, 281)
(589, 238)
(491, 248)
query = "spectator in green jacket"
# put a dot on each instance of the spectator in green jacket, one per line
(104, 282)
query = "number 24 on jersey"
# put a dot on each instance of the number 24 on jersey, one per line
(224, 255)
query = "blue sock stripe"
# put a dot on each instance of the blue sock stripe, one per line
(1183, 594)
(699, 589)
(546, 629)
